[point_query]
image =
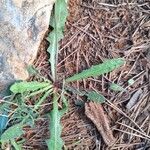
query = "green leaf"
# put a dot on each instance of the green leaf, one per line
(60, 16)
(16, 145)
(75, 90)
(25, 86)
(79, 103)
(105, 67)
(57, 21)
(65, 104)
(42, 99)
(53, 50)
(116, 87)
(32, 70)
(12, 132)
(131, 81)
(55, 142)
(96, 97)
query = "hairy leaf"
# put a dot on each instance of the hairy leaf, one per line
(105, 67)
(116, 87)
(57, 21)
(55, 142)
(96, 97)
(25, 86)
(12, 132)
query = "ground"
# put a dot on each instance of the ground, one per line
(97, 30)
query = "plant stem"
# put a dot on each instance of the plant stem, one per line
(40, 91)
(15, 145)
(36, 106)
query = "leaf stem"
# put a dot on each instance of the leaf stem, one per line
(15, 145)
(36, 106)
(39, 91)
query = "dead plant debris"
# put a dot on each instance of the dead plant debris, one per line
(96, 114)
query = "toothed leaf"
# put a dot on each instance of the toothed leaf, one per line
(96, 97)
(58, 19)
(105, 67)
(25, 86)
(12, 132)
(55, 142)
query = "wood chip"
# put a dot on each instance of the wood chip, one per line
(94, 111)
(134, 99)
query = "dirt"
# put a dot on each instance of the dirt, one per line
(97, 30)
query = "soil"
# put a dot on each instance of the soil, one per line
(97, 30)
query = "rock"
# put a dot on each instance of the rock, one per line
(23, 24)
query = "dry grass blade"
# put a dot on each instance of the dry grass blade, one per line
(142, 134)
(124, 114)
(133, 134)
(119, 146)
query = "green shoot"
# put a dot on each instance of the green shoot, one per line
(15, 145)
(96, 97)
(116, 87)
(55, 142)
(97, 70)
(58, 19)
(12, 132)
(25, 86)
(36, 106)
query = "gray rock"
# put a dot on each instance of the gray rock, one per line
(23, 24)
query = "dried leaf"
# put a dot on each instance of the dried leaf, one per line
(95, 112)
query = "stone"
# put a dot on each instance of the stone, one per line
(23, 24)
